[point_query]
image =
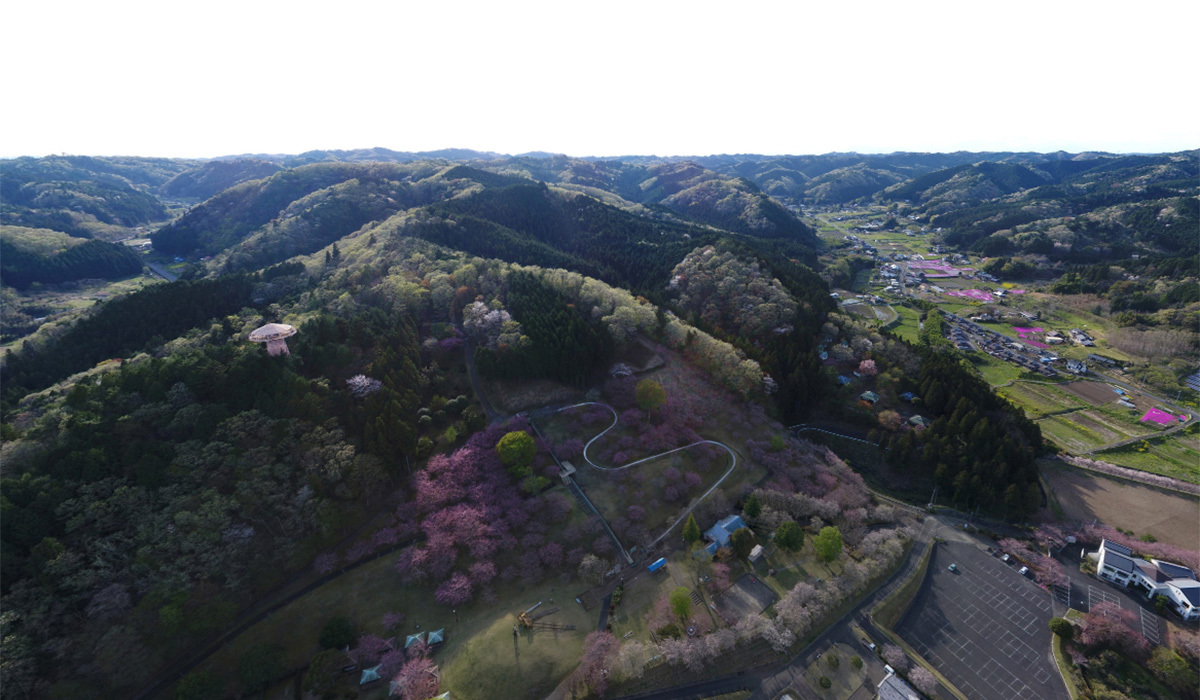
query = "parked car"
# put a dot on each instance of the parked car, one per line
(954, 568)
(868, 643)
(1004, 558)
(1024, 570)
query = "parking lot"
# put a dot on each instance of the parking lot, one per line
(985, 627)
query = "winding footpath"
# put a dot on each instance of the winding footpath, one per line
(732, 459)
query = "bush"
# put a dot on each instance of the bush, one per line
(670, 631)
(260, 665)
(337, 634)
(856, 661)
(833, 661)
(1062, 628)
(825, 683)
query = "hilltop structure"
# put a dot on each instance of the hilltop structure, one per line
(275, 335)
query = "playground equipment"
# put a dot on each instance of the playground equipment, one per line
(529, 619)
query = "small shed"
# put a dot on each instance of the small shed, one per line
(919, 421)
(756, 554)
(568, 470)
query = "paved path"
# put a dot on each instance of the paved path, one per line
(162, 272)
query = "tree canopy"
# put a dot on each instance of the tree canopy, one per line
(828, 543)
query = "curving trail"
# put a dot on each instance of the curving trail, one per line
(688, 511)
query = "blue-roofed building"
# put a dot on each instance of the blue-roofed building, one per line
(721, 533)
(843, 379)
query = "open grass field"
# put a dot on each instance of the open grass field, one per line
(1176, 455)
(480, 658)
(1172, 518)
(908, 327)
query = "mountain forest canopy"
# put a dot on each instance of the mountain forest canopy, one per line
(162, 473)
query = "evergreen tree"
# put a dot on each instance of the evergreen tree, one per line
(691, 530)
(752, 508)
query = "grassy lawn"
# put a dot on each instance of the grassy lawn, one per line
(995, 372)
(844, 680)
(479, 658)
(630, 617)
(793, 567)
(1039, 399)
(908, 327)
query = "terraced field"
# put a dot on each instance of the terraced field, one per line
(1176, 455)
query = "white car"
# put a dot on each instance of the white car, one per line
(1024, 570)
(1004, 558)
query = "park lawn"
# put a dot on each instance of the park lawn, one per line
(844, 680)
(793, 567)
(639, 596)
(366, 593)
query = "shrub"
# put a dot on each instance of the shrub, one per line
(825, 683)
(833, 661)
(337, 633)
(670, 630)
(1062, 628)
(856, 661)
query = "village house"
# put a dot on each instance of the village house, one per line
(721, 534)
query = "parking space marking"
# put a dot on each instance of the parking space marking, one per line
(1150, 626)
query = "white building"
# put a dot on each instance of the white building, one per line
(1176, 583)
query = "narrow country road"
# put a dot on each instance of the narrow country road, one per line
(162, 272)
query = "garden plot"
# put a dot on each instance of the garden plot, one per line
(1040, 399)
(1095, 393)
(1070, 435)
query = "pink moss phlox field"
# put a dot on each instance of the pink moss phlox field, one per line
(1157, 416)
(976, 294)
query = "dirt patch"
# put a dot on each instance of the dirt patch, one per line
(513, 396)
(1084, 496)
(1094, 393)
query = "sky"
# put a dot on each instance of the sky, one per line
(652, 77)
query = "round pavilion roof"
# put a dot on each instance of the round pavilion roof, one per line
(272, 331)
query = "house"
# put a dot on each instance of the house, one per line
(1076, 367)
(721, 533)
(869, 396)
(1053, 340)
(919, 421)
(1103, 360)
(892, 687)
(1153, 577)
(1080, 337)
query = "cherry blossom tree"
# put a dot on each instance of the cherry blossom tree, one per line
(456, 591)
(925, 681)
(599, 650)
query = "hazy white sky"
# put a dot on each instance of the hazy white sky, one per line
(597, 78)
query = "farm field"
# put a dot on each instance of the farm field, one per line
(1176, 455)
(1084, 496)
